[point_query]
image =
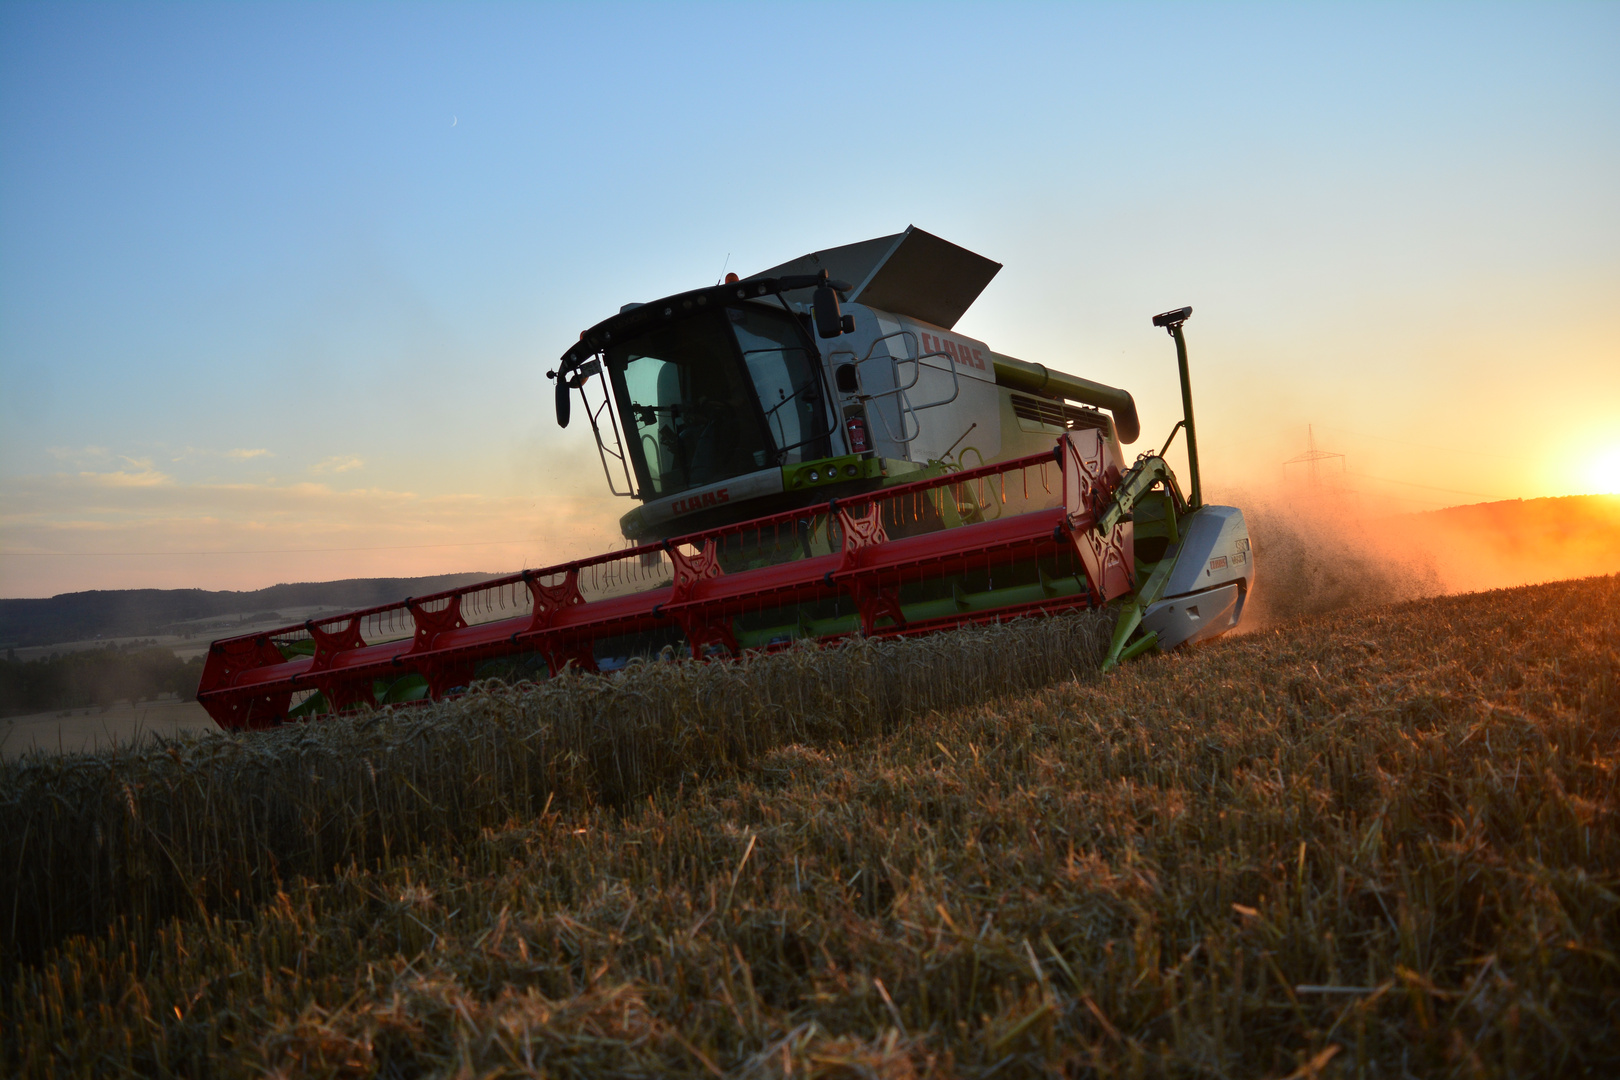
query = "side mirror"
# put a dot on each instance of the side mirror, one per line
(565, 384)
(830, 322)
(562, 401)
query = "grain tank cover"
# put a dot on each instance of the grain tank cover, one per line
(912, 273)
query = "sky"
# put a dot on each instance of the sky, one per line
(280, 283)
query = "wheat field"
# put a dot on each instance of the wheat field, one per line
(1373, 843)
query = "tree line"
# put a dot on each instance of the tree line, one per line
(95, 677)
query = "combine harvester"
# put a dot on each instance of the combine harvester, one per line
(815, 453)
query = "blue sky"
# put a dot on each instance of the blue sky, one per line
(280, 282)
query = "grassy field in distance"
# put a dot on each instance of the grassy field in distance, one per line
(190, 639)
(1377, 843)
(84, 730)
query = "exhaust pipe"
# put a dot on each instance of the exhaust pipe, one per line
(1041, 380)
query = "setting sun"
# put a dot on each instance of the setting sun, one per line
(1604, 474)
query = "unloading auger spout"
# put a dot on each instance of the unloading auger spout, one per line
(1042, 380)
(812, 452)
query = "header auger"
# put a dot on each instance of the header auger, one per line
(815, 453)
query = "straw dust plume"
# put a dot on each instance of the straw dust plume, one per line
(1320, 550)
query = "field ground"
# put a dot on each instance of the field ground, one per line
(82, 730)
(1372, 843)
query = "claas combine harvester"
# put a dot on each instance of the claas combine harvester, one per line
(815, 452)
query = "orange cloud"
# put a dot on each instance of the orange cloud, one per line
(143, 528)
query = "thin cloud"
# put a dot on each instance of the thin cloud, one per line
(79, 455)
(240, 454)
(147, 477)
(341, 463)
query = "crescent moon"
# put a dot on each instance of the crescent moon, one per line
(453, 120)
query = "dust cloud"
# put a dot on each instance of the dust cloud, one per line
(1317, 551)
(1316, 554)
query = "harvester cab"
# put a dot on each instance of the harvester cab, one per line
(815, 451)
(794, 386)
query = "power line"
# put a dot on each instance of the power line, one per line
(1421, 446)
(1429, 487)
(1313, 456)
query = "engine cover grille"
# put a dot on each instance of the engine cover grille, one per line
(1057, 413)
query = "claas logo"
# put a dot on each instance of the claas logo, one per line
(958, 351)
(698, 502)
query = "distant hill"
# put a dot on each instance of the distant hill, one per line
(1562, 516)
(1519, 541)
(115, 613)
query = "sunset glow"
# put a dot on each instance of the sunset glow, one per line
(1605, 472)
(274, 307)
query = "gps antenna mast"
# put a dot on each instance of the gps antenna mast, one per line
(1171, 321)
